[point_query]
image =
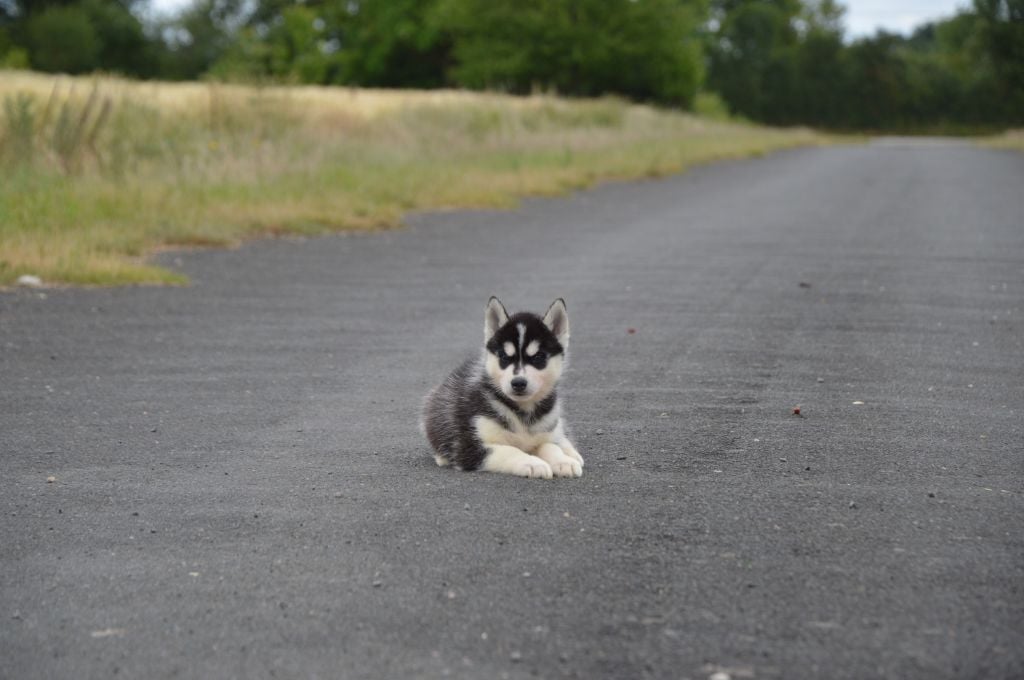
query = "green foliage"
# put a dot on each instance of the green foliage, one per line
(63, 40)
(819, 94)
(15, 58)
(786, 63)
(123, 46)
(295, 46)
(711, 106)
(82, 36)
(390, 43)
(289, 51)
(11, 55)
(753, 59)
(371, 43)
(200, 36)
(1000, 41)
(643, 50)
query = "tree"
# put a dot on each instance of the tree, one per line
(647, 49)
(1001, 45)
(124, 47)
(753, 58)
(75, 36)
(374, 43)
(288, 49)
(820, 87)
(199, 36)
(62, 39)
(391, 43)
(876, 82)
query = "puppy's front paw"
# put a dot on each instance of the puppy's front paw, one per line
(573, 453)
(562, 464)
(535, 468)
(567, 467)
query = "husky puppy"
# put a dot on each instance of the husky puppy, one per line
(499, 412)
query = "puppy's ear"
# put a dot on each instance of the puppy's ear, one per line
(494, 317)
(557, 320)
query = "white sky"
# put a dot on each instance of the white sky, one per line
(862, 16)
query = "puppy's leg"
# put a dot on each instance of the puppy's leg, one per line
(570, 451)
(512, 461)
(562, 465)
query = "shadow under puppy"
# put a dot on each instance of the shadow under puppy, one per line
(500, 412)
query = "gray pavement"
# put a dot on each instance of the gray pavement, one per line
(240, 488)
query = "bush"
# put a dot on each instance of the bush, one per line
(15, 58)
(123, 46)
(643, 50)
(63, 40)
(711, 105)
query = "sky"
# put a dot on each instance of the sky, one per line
(863, 17)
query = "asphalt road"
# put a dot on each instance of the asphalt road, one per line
(240, 488)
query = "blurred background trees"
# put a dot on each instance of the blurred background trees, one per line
(76, 37)
(774, 61)
(647, 51)
(786, 62)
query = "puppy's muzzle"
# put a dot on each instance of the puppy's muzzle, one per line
(519, 385)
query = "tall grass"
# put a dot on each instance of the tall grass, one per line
(99, 173)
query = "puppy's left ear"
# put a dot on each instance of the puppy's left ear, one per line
(557, 320)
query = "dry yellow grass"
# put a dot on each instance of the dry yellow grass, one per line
(1011, 139)
(190, 98)
(166, 164)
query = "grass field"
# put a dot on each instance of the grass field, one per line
(99, 173)
(1011, 139)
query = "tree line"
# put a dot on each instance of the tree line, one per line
(774, 61)
(785, 62)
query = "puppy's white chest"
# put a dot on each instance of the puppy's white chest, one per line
(521, 437)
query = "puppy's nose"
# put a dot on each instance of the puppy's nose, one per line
(518, 384)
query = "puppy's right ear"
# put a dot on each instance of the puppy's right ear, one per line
(557, 319)
(494, 318)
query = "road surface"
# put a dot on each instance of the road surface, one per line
(240, 488)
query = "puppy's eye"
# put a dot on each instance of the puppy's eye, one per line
(539, 356)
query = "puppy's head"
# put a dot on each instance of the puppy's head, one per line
(525, 353)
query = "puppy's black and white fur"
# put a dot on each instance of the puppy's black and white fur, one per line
(500, 412)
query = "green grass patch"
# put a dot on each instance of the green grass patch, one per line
(100, 173)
